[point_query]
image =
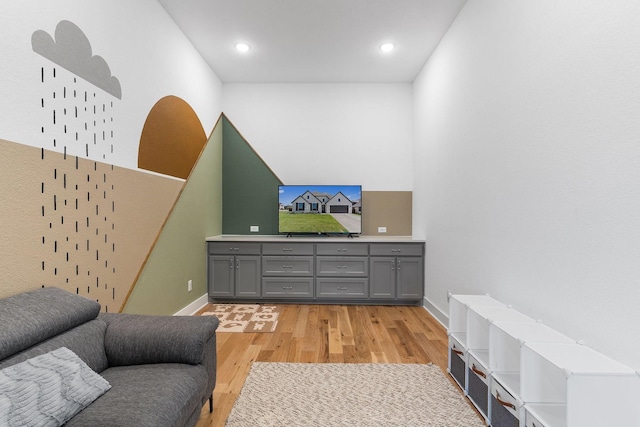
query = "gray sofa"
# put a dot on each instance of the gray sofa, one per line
(161, 369)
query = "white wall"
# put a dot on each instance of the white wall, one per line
(143, 47)
(328, 133)
(527, 173)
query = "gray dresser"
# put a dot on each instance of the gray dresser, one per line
(323, 270)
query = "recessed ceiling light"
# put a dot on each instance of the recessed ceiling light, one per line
(242, 47)
(387, 47)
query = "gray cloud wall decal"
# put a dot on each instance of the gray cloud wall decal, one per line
(71, 50)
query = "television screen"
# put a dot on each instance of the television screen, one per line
(320, 209)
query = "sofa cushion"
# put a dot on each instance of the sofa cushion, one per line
(86, 340)
(133, 339)
(34, 316)
(156, 395)
(47, 390)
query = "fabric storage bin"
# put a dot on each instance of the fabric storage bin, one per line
(457, 362)
(478, 385)
(505, 409)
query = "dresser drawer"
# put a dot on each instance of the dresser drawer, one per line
(233, 248)
(285, 248)
(287, 287)
(342, 288)
(342, 266)
(396, 249)
(287, 266)
(342, 249)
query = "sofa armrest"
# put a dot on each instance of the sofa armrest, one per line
(133, 339)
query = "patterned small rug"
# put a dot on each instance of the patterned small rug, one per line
(244, 317)
(350, 394)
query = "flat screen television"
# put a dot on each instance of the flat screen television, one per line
(320, 209)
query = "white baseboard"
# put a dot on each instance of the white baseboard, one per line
(192, 308)
(441, 317)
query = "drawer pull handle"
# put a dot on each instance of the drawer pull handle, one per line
(342, 289)
(478, 371)
(234, 249)
(396, 250)
(505, 403)
(287, 249)
(287, 266)
(287, 287)
(342, 266)
(458, 352)
(342, 250)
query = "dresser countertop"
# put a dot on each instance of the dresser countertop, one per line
(313, 238)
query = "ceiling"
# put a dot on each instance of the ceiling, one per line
(314, 41)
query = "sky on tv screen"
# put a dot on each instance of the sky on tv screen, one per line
(288, 193)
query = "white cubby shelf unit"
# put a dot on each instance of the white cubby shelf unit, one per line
(479, 379)
(532, 375)
(572, 385)
(457, 332)
(505, 341)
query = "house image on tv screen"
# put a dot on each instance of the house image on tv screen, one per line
(322, 203)
(337, 209)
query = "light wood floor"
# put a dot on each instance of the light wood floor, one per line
(326, 334)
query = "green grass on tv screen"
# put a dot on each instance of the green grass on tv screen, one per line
(309, 223)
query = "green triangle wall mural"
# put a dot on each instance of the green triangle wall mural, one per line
(178, 254)
(228, 188)
(249, 187)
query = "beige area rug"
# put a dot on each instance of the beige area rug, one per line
(363, 395)
(244, 317)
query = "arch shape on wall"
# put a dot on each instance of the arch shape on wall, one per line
(172, 138)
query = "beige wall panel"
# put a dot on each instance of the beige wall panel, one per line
(76, 224)
(391, 209)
